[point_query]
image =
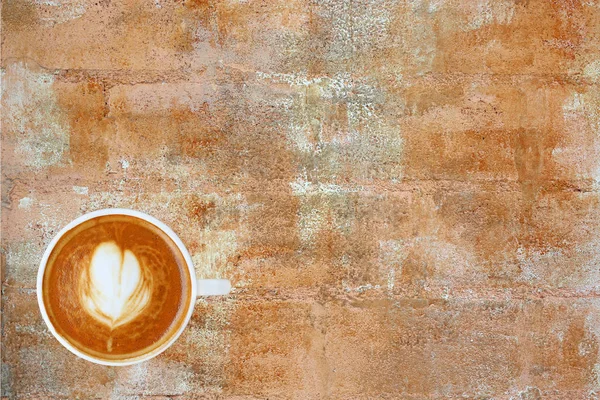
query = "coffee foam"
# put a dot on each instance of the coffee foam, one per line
(112, 288)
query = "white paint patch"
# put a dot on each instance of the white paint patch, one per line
(33, 118)
(368, 140)
(574, 104)
(299, 79)
(592, 327)
(435, 5)
(592, 71)
(537, 267)
(391, 258)
(370, 23)
(212, 261)
(487, 12)
(528, 270)
(586, 276)
(581, 152)
(359, 289)
(54, 12)
(158, 97)
(310, 222)
(450, 264)
(419, 40)
(298, 135)
(446, 293)
(155, 376)
(210, 340)
(124, 163)
(83, 190)
(391, 280)
(596, 373)
(315, 205)
(555, 267)
(59, 364)
(22, 262)
(48, 226)
(25, 202)
(367, 143)
(302, 187)
(356, 25)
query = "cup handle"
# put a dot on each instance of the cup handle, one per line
(213, 287)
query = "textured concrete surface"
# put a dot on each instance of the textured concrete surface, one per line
(405, 193)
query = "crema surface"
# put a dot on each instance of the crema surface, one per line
(116, 287)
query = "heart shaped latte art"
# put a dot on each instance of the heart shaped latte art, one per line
(112, 288)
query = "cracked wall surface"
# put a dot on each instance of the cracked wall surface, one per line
(405, 194)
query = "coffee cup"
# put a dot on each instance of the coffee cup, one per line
(104, 277)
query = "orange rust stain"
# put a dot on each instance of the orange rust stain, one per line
(261, 252)
(200, 211)
(199, 133)
(90, 130)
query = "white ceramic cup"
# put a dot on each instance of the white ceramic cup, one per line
(200, 287)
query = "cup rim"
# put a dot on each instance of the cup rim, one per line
(117, 211)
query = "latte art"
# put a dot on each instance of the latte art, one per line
(116, 287)
(112, 288)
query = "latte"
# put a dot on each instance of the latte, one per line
(116, 287)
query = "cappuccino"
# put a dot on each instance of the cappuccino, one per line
(116, 287)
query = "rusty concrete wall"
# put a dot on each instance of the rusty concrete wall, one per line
(405, 193)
